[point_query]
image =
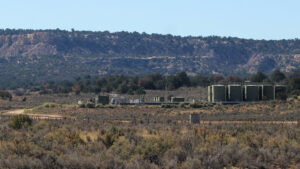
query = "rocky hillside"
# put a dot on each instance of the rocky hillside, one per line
(39, 55)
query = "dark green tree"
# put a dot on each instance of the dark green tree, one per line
(258, 77)
(140, 91)
(277, 76)
(183, 78)
(294, 81)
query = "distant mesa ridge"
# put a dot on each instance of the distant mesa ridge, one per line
(56, 54)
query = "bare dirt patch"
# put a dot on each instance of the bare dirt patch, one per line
(34, 116)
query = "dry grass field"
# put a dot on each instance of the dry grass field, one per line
(260, 135)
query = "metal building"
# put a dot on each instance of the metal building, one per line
(235, 93)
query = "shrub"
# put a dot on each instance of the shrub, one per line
(168, 106)
(51, 105)
(99, 105)
(181, 105)
(219, 103)
(19, 92)
(196, 105)
(90, 105)
(5, 95)
(140, 91)
(20, 121)
(281, 96)
(82, 105)
(110, 106)
(295, 92)
(110, 136)
(153, 149)
(44, 92)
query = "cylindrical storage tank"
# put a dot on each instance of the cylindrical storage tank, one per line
(209, 93)
(251, 92)
(177, 99)
(235, 93)
(218, 93)
(268, 92)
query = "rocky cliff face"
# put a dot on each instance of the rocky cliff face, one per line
(57, 55)
(32, 44)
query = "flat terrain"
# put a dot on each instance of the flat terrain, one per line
(34, 99)
(260, 135)
(262, 112)
(33, 116)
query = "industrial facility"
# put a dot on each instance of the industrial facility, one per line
(235, 93)
(219, 93)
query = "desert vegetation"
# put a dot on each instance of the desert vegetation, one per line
(261, 135)
(151, 137)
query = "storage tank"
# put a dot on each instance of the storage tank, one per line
(251, 92)
(102, 100)
(235, 93)
(177, 99)
(158, 99)
(268, 92)
(209, 93)
(218, 93)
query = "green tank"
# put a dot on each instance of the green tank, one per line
(235, 93)
(218, 93)
(251, 92)
(177, 99)
(268, 92)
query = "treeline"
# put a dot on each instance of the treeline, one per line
(136, 85)
(143, 44)
(128, 84)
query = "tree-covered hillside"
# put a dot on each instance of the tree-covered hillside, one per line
(33, 56)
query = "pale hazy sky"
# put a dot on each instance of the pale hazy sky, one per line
(257, 19)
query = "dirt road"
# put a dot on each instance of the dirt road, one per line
(34, 116)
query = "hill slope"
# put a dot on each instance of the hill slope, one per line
(40, 55)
